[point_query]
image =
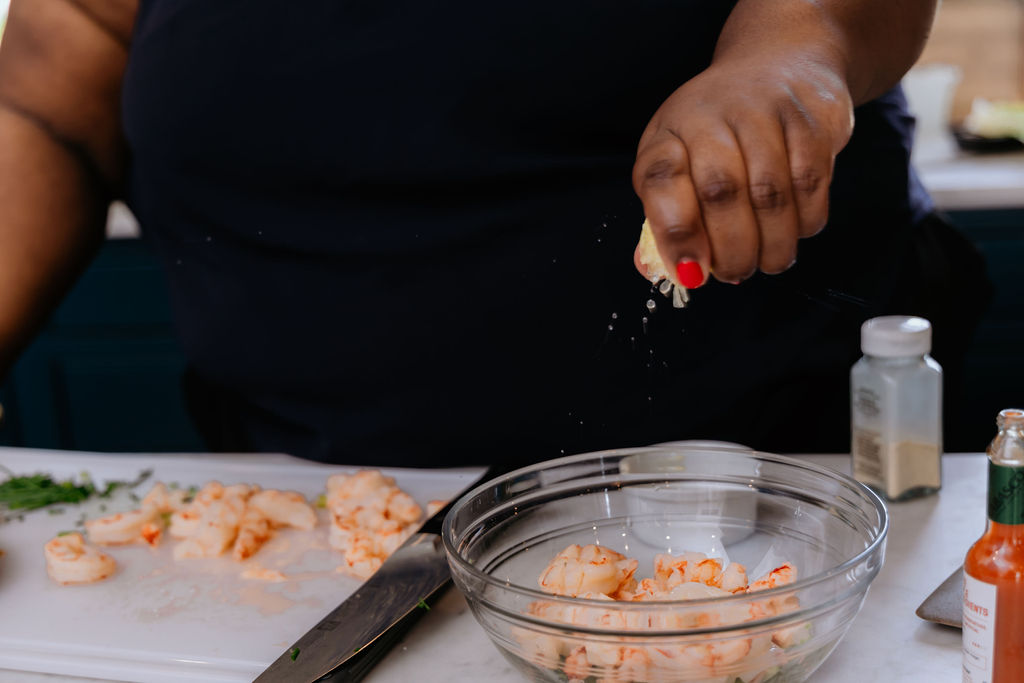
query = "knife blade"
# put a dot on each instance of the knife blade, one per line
(359, 631)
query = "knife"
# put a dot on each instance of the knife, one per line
(346, 643)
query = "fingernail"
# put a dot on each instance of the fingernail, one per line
(689, 273)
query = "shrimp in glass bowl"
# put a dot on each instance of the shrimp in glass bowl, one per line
(575, 576)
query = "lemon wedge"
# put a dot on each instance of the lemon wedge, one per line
(659, 272)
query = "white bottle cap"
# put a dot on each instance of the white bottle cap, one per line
(894, 336)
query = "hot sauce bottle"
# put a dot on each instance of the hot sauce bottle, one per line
(993, 603)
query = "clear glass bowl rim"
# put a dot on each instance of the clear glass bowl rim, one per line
(814, 579)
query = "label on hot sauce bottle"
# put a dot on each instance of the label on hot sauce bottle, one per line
(979, 630)
(1005, 494)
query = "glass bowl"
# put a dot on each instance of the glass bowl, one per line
(767, 512)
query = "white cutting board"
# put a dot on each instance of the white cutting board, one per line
(159, 620)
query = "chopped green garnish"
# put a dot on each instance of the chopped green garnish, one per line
(321, 501)
(31, 492)
(65, 533)
(166, 517)
(423, 604)
(55, 511)
(295, 653)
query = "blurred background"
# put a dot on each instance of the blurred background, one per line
(104, 374)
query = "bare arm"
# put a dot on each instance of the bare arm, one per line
(735, 166)
(61, 150)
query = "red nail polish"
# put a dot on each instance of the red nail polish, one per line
(689, 273)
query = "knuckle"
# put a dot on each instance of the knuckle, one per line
(720, 190)
(656, 173)
(766, 195)
(807, 180)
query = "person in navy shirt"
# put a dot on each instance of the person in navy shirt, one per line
(402, 233)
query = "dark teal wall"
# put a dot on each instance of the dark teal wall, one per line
(105, 372)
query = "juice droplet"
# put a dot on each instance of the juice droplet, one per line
(665, 287)
(645, 324)
(651, 305)
(615, 316)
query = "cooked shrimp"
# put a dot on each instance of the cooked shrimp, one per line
(212, 491)
(402, 508)
(576, 665)
(782, 575)
(164, 500)
(285, 508)
(151, 533)
(120, 528)
(540, 648)
(589, 569)
(733, 578)
(390, 536)
(361, 557)
(689, 567)
(253, 532)
(69, 559)
(218, 527)
(264, 574)
(185, 522)
(362, 484)
(243, 491)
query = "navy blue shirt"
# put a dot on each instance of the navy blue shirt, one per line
(402, 233)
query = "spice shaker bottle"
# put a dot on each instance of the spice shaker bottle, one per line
(896, 409)
(993, 623)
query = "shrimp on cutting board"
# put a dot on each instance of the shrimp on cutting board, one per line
(70, 560)
(284, 508)
(120, 528)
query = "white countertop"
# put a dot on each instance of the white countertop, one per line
(975, 181)
(887, 642)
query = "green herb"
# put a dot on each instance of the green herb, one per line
(65, 533)
(423, 603)
(56, 511)
(31, 492)
(166, 517)
(321, 501)
(295, 653)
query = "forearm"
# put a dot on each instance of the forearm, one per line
(61, 150)
(51, 223)
(868, 43)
